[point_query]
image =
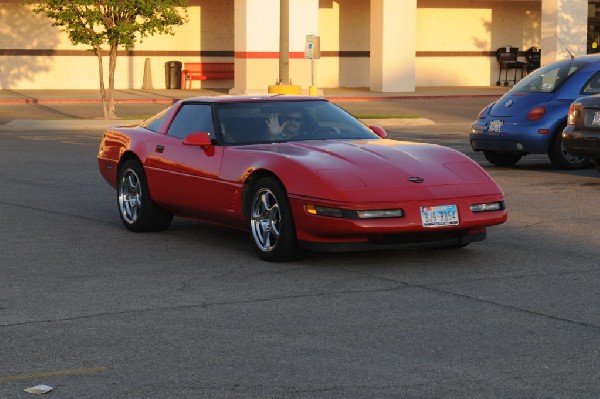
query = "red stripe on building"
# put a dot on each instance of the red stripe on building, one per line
(265, 54)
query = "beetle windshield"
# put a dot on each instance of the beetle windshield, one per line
(550, 77)
(277, 121)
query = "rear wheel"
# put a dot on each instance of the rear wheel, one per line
(136, 209)
(563, 159)
(502, 158)
(271, 222)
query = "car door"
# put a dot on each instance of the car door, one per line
(184, 178)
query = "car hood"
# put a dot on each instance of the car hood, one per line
(375, 169)
(518, 103)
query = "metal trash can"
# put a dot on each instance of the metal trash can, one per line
(173, 74)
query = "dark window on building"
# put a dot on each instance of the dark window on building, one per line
(593, 31)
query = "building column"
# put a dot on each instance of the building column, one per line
(564, 29)
(393, 45)
(256, 42)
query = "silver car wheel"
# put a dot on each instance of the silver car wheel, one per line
(570, 158)
(265, 220)
(130, 196)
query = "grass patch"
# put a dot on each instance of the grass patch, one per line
(136, 117)
(386, 116)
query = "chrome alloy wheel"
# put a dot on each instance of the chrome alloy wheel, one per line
(265, 220)
(130, 196)
(571, 158)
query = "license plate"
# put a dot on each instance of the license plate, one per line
(495, 126)
(596, 120)
(442, 215)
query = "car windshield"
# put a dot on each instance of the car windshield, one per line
(278, 121)
(550, 77)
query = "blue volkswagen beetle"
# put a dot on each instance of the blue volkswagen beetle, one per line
(530, 117)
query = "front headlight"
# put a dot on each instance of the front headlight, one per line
(488, 207)
(348, 214)
(382, 213)
(484, 111)
(324, 211)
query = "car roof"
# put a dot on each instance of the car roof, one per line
(249, 98)
(587, 58)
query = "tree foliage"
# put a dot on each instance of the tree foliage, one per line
(111, 24)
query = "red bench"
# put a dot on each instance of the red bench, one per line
(205, 71)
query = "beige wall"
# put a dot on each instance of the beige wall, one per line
(21, 29)
(453, 42)
(344, 26)
(454, 26)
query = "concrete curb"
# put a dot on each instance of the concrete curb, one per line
(23, 125)
(33, 101)
(397, 122)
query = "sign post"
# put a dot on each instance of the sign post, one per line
(312, 51)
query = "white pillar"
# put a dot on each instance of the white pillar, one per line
(256, 45)
(564, 26)
(256, 42)
(393, 45)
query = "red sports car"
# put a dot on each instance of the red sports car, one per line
(297, 172)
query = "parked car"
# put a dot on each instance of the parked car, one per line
(298, 173)
(582, 134)
(530, 117)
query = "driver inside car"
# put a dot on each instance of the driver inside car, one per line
(287, 127)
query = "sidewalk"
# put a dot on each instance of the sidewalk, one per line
(38, 99)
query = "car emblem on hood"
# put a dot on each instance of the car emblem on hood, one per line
(416, 179)
(508, 103)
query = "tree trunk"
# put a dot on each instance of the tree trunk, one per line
(112, 65)
(98, 52)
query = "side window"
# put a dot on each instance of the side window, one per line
(593, 85)
(156, 121)
(192, 118)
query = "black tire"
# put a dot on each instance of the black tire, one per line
(136, 209)
(502, 158)
(271, 222)
(561, 158)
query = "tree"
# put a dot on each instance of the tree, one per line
(112, 23)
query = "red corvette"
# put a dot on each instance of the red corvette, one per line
(298, 173)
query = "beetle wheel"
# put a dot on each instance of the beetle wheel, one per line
(502, 158)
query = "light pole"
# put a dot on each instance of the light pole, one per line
(284, 42)
(283, 85)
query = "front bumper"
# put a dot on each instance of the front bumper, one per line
(339, 233)
(438, 239)
(582, 143)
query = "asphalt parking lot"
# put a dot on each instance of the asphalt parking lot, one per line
(96, 311)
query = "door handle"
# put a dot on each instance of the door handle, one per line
(160, 148)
